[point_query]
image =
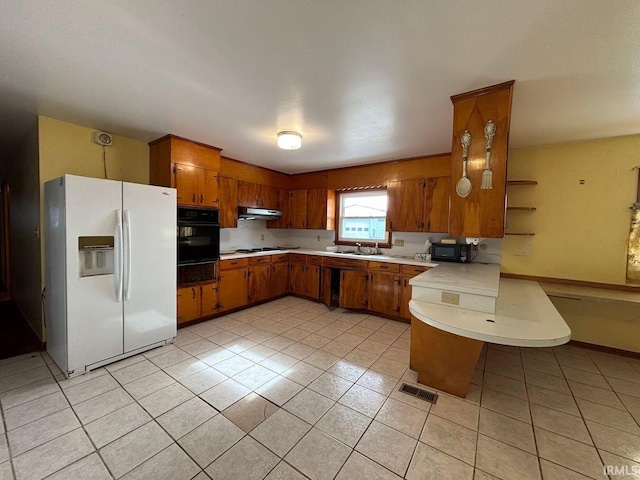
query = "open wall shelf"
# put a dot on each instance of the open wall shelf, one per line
(515, 183)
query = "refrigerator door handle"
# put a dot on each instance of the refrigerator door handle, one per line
(118, 256)
(127, 253)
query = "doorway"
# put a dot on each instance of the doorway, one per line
(5, 275)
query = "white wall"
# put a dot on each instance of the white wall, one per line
(249, 234)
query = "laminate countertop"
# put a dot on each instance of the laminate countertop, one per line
(324, 253)
(524, 317)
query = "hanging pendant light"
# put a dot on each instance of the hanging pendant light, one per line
(289, 140)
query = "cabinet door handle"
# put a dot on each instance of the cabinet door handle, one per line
(193, 291)
(201, 198)
(383, 266)
(234, 263)
(390, 225)
(193, 197)
(245, 274)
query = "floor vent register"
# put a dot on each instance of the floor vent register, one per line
(419, 393)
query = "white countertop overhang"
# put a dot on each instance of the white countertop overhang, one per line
(524, 317)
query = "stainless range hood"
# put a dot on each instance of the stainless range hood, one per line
(250, 213)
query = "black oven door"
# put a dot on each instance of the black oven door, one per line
(198, 237)
(198, 243)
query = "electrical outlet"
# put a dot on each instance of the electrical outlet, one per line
(398, 242)
(450, 298)
(483, 247)
(262, 237)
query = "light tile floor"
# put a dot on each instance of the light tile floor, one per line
(332, 408)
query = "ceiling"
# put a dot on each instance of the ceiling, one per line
(362, 80)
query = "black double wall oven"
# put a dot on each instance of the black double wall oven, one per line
(198, 235)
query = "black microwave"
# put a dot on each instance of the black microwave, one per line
(447, 252)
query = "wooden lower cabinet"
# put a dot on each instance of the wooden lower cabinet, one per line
(353, 289)
(312, 281)
(384, 293)
(378, 287)
(297, 278)
(209, 299)
(188, 304)
(259, 280)
(405, 297)
(234, 286)
(279, 280)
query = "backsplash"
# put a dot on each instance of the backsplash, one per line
(250, 234)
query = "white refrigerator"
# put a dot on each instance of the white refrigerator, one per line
(110, 257)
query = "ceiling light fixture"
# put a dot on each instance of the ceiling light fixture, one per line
(289, 140)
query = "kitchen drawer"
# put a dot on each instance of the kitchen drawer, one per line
(344, 263)
(279, 258)
(384, 267)
(414, 269)
(298, 258)
(314, 260)
(260, 260)
(234, 263)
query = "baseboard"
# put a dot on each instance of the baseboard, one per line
(604, 349)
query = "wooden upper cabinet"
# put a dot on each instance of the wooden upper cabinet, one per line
(482, 212)
(320, 209)
(186, 182)
(228, 202)
(269, 197)
(248, 194)
(208, 195)
(436, 204)
(405, 203)
(188, 166)
(283, 205)
(259, 196)
(297, 209)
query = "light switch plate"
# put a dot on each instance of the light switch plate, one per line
(398, 242)
(450, 298)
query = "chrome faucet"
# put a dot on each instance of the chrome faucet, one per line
(358, 249)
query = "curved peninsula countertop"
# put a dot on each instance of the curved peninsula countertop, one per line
(456, 308)
(524, 317)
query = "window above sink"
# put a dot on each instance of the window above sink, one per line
(362, 218)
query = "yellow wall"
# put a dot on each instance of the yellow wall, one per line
(581, 230)
(612, 324)
(67, 148)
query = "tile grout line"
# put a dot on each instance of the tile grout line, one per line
(582, 417)
(6, 436)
